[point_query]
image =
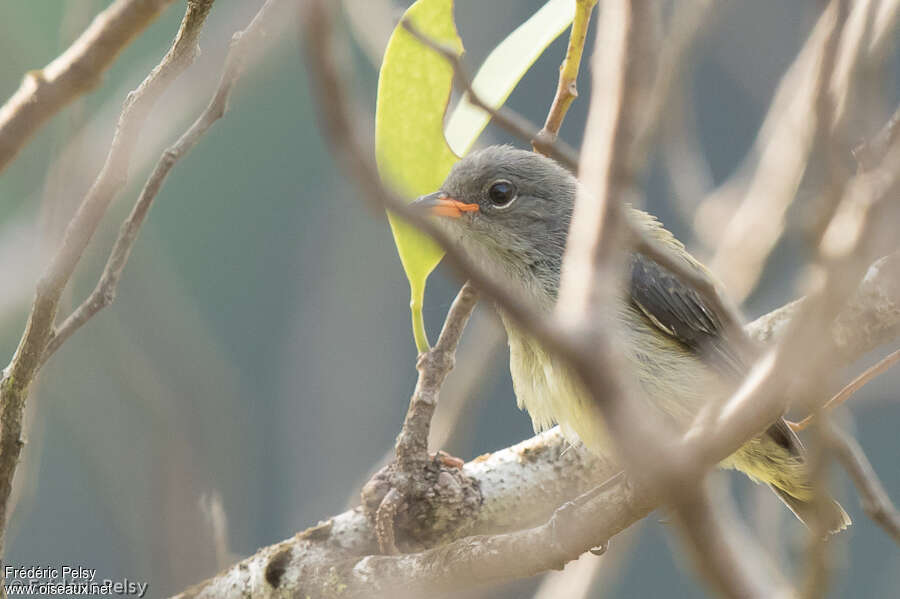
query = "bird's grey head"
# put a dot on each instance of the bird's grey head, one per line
(509, 208)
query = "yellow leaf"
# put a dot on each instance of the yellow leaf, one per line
(413, 156)
(414, 87)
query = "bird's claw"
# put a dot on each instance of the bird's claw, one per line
(448, 460)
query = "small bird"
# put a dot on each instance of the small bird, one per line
(509, 210)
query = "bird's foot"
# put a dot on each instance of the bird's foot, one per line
(417, 504)
(445, 459)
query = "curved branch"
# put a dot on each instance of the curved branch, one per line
(44, 92)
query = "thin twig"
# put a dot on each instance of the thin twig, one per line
(406, 478)
(852, 387)
(507, 118)
(18, 376)
(104, 293)
(875, 500)
(44, 92)
(818, 554)
(567, 88)
(433, 367)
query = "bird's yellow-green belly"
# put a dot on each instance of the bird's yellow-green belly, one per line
(673, 382)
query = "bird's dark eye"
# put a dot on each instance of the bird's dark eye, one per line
(502, 193)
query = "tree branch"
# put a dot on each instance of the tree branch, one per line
(46, 91)
(19, 374)
(520, 488)
(875, 500)
(410, 479)
(852, 387)
(566, 89)
(242, 43)
(433, 367)
(783, 146)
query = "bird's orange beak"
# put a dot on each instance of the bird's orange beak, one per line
(440, 204)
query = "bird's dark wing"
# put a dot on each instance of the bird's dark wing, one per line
(782, 434)
(678, 311)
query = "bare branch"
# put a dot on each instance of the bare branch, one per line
(852, 387)
(46, 91)
(566, 89)
(28, 357)
(786, 140)
(624, 66)
(729, 559)
(433, 367)
(405, 480)
(594, 249)
(875, 500)
(242, 43)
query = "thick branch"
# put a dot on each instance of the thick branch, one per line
(520, 486)
(46, 91)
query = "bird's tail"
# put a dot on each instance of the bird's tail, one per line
(777, 458)
(834, 518)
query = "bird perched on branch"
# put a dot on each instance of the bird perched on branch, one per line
(510, 210)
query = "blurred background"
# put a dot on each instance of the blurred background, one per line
(258, 360)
